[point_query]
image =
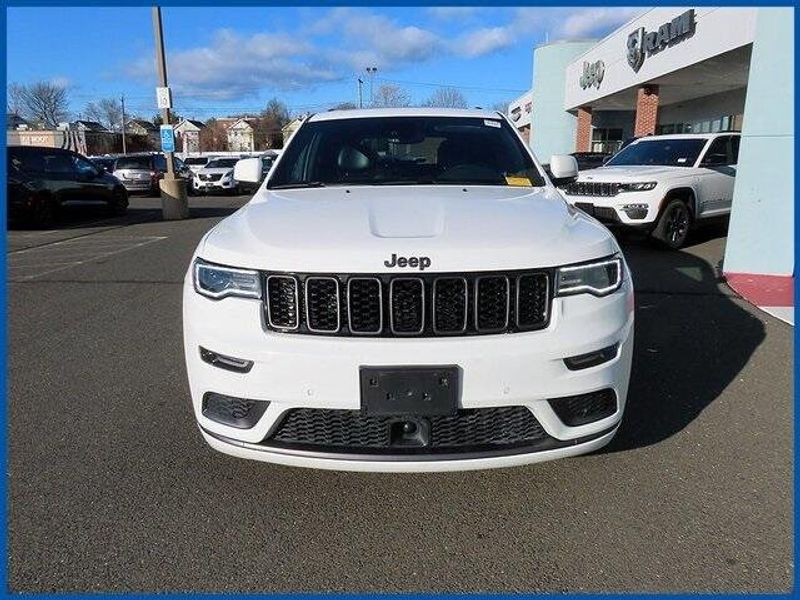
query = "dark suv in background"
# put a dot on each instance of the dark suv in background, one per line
(42, 180)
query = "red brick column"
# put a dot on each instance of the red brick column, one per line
(646, 110)
(583, 132)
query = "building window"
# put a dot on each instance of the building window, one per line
(724, 123)
(606, 139)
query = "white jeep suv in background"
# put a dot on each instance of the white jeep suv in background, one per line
(407, 292)
(662, 184)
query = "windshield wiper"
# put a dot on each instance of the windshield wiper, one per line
(304, 184)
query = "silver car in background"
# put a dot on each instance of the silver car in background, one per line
(140, 173)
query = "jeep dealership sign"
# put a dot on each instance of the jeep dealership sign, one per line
(592, 74)
(642, 42)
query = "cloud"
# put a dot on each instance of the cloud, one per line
(484, 41)
(368, 39)
(447, 13)
(337, 43)
(234, 66)
(591, 21)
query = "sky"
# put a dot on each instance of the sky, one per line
(232, 60)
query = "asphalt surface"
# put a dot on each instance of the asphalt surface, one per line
(112, 487)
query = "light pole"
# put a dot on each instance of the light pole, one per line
(174, 204)
(371, 72)
(360, 97)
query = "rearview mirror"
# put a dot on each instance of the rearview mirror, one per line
(563, 167)
(248, 170)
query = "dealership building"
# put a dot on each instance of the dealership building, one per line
(690, 70)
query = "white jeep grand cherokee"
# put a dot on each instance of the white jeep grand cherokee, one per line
(662, 184)
(408, 292)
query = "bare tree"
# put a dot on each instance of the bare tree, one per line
(107, 112)
(447, 97)
(344, 106)
(501, 106)
(44, 102)
(214, 136)
(14, 98)
(390, 96)
(276, 111)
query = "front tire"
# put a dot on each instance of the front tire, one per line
(119, 202)
(672, 228)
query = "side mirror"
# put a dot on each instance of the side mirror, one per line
(248, 170)
(564, 168)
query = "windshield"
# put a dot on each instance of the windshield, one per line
(222, 163)
(406, 150)
(665, 152)
(197, 160)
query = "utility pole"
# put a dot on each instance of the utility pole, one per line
(161, 66)
(124, 145)
(360, 96)
(174, 204)
(371, 72)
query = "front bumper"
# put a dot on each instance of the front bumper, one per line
(205, 186)
(299, 371)
(612, 210)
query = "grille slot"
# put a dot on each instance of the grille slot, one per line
(450, 305)
(592, 188)
(407, 305)
(322, 304)
(350, 431)
(532, 300)
(491, 303)
(428, 304)
(282, 302)
(365, 305)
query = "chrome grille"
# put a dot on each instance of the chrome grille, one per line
(592, 188)
(441, 304)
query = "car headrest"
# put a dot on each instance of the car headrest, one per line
(352, 159)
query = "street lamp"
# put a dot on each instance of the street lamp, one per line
(371, 73)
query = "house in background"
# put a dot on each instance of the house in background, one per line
(187, 133)
(292, 126)
(240, 136)
(85, 126)
(144, 128)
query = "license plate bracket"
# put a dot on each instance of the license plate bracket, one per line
(419, 391)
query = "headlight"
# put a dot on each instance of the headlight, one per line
(597, 278)
(217, 282)
(642, 186)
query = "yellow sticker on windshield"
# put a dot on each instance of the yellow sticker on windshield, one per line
(519, 181)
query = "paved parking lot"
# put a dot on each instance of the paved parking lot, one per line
(112, 487)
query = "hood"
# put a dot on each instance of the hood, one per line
(631, 173)
(355, 230)
(215, 171)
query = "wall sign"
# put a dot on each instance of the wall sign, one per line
(643, 43)
(592, 74)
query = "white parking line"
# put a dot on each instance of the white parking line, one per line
(84, 251)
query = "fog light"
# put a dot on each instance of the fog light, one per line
(228, 363)
(234, 412)
(591, 359)
(635, 211)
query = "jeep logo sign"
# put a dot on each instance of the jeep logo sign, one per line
(421, 262)
(643, 43)
(592, 74)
